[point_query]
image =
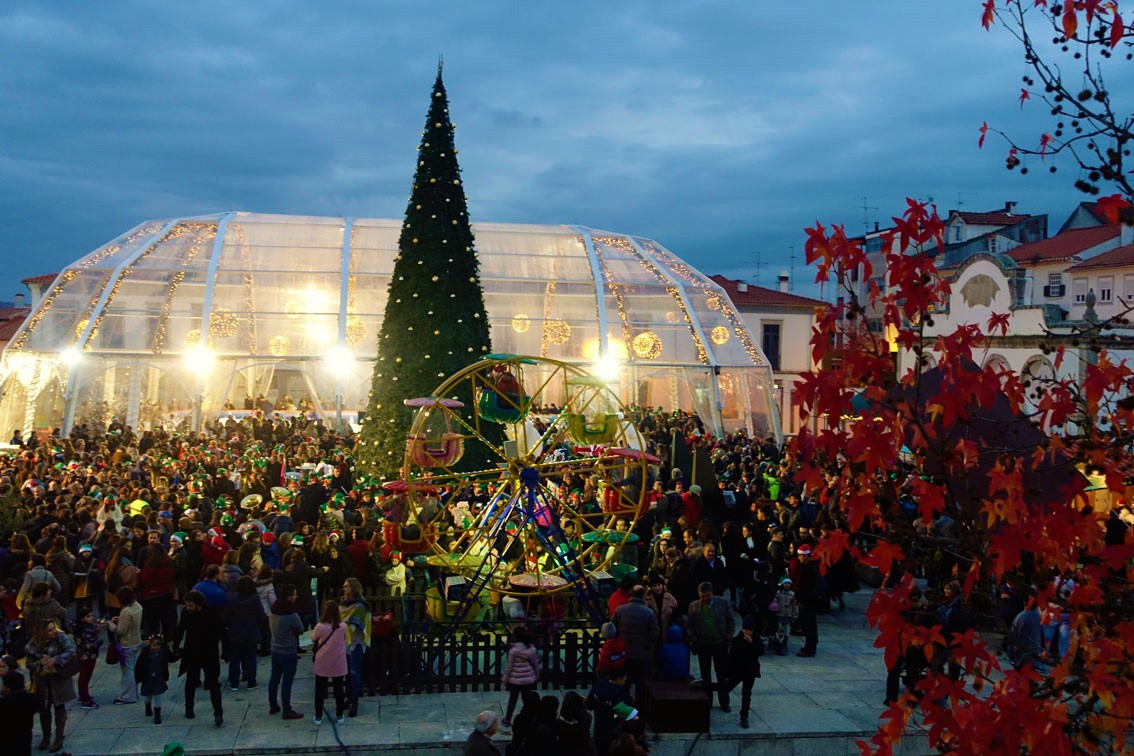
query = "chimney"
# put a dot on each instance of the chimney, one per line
(741, 287)
(784, 281)
(1010, 208)
(20, 303)
(875, 226)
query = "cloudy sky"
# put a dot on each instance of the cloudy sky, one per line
(720, 129)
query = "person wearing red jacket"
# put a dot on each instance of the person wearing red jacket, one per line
(214, 550)
(156, 583)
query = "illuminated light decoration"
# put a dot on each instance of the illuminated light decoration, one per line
(355, 330)
(713, 302)
(599, 245)
(557, 332)
(249, 295)
(521, 323)
(647, 345)
(222, 322)
(719, 335)
(278, 346)
(548, 296)
(205, 235)
(671, 317)
(82, 326)
(193, 338)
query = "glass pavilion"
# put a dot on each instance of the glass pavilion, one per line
(182, 321)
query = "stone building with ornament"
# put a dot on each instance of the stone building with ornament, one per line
(183, 321)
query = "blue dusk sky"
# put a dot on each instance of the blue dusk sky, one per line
(720, 129)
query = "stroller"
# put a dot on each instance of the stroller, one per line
(786, 611)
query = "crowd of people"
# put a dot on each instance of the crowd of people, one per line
(203, 551)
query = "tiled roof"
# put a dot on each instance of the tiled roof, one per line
(46, 278)
(1116, 258)
(759, 296)
(11, 318)
(1064, 245)
(1000, 218)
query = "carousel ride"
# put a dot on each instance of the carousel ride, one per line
(546, 518)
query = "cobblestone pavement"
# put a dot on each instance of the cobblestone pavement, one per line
(817, 705)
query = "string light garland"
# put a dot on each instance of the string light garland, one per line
(548, 295)
(557, 332)
(204, 237)
(600, 244)
(355, 330)
(249, 290)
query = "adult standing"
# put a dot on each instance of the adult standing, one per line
(17, 712)
(41, 608)
(53, 663)
(663, 603)
(744, 662)
(330, 666)
(198, 642)
(156, 579)
(246, 622)
(356, 615)
(710, 627)
(807, 594)
(639, 628)
(710, 567)
(128, 627)
(286, 627)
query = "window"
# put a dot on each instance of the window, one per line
(1128, 288)
(1106, 290)
(993, 244)
(1054, 288)
(771, 344)
(1079, 290)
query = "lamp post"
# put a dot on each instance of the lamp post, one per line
(340, 360)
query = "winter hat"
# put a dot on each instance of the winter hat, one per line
(334, 535)
(178, 537)
(218, 542)
(267, 539)
(804, 550)
(297, 540)
(695, 489)
(213, 532)
(608, 630)
(750, 622)
(785, 581)
(395, 555)
(85, 548)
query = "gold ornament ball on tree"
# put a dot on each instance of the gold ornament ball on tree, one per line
(647, 345)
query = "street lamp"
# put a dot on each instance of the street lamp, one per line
(339, 360)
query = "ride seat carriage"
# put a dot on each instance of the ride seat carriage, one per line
(502, 398)
(404, 533)
(438, 445)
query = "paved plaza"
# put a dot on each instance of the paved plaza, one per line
(800, 706)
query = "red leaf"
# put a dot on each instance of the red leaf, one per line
(1045, 140)
(1024, 95)
(1112, 206)
(999, 321)
(989, 14)
(883, 556)
(983, 129)
(1070, 20)
(1117, 28)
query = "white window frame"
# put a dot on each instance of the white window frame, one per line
(1106, 289)
(1079, 288)
(1054, 279)
(1128, 287)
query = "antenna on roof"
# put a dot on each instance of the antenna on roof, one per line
(865, 214)
(757, 263)
(791, 257)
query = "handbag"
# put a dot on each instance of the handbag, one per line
(112, 654)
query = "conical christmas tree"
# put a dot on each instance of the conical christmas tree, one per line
(435, 322)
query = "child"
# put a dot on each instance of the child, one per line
(788, 614)
(152, 671)
(88, 641)
(395, 576)
(521, 671)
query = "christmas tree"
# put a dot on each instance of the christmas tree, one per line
(435, 323)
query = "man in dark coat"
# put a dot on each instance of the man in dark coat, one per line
(311, 497)
(640, 630)
(709, 567)
(17, 713)
(479, 742)
(710, 627)
(807, 594)
(744, 664)
(198, 642)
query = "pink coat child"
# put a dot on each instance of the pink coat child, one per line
(331, 658)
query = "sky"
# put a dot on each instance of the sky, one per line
(719, 129)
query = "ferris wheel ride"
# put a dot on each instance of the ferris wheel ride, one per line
(558, 497)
